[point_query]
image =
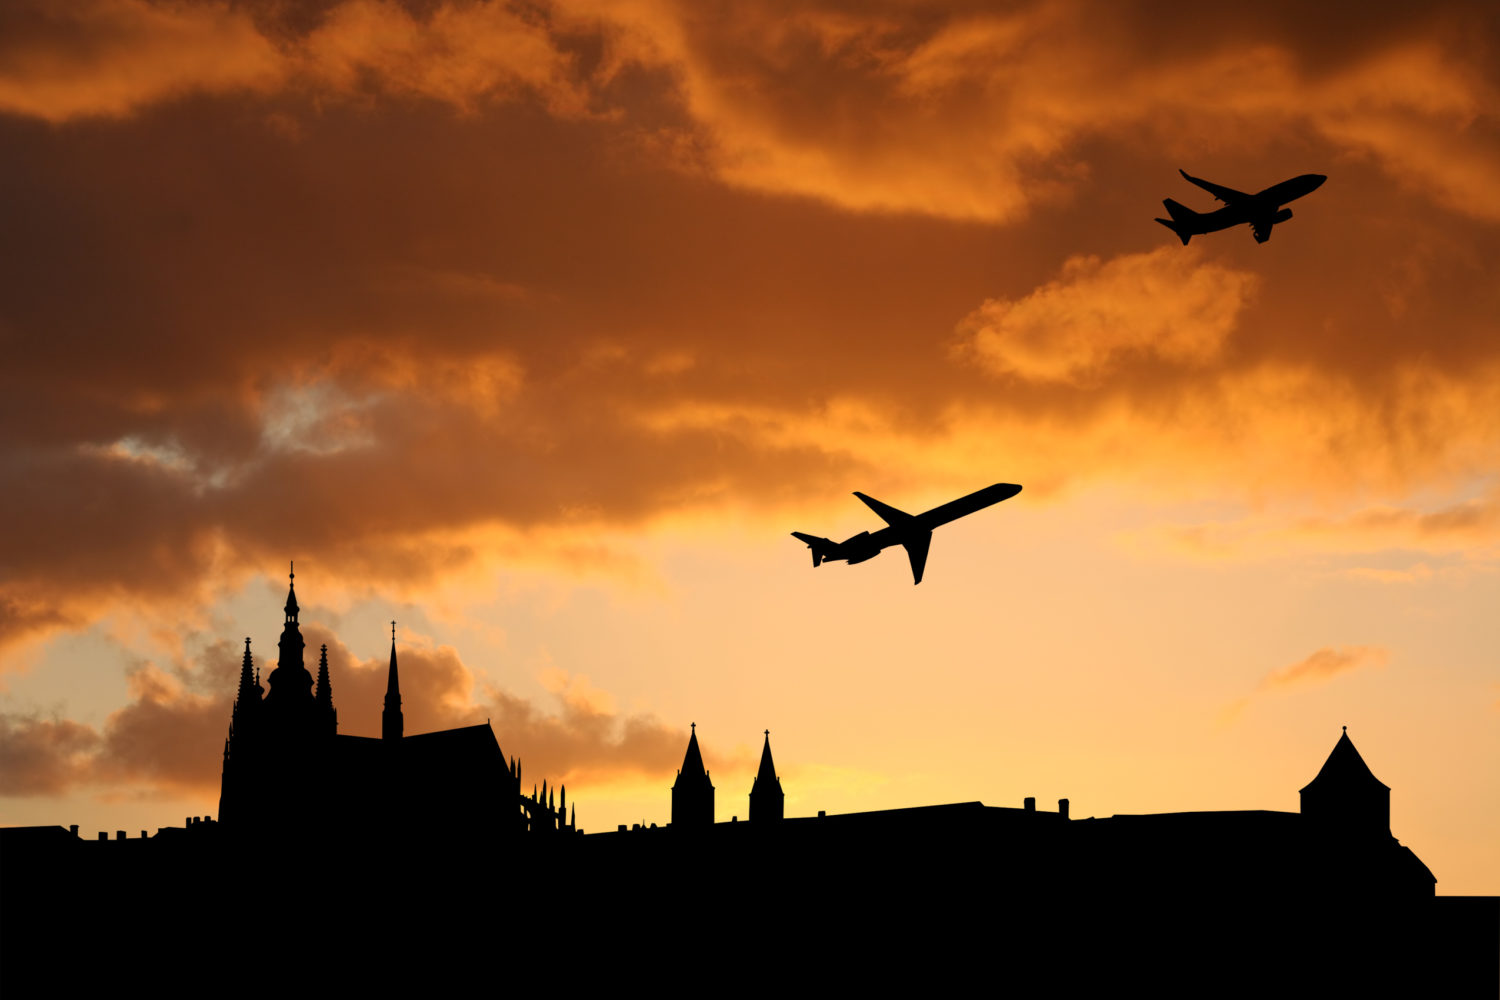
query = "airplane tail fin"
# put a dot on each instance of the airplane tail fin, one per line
(821, 547)
(1181, 221)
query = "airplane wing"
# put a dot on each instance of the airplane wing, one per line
(1227, 195)
(1261, 227)
(916, 551)
(887, 513)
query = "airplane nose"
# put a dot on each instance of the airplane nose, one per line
(1317, 181)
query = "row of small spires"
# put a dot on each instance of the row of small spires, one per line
(544, 800)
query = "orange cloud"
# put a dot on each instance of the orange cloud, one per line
(1325, 663)
(168, 738)
(1165, 304)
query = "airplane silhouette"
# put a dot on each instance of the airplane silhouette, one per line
(1262, 209)
(912, 531)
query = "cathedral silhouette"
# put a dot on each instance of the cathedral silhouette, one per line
(286, 764)
(328, 845)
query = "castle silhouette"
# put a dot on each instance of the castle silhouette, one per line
(327, 842)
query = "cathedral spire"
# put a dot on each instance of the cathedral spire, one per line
(248, 682)
(391, 722)
(693, 792)
(291, 593)
(767, 801)
(324, 695)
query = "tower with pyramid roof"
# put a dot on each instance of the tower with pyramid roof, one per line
(693, 792)
(767, 801)
(1346, 798)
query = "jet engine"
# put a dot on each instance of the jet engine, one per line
(1282, 216)
(859, 548)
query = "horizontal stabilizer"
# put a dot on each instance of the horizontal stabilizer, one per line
(1181, 234)
(821, 547)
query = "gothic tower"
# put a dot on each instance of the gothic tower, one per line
(767, 801)
(692, 793)
(289, 704)
(391, 722)
(236, 788)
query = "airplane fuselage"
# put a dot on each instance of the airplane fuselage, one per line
(1259, 205)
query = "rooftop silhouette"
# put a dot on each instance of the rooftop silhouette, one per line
(358, 839)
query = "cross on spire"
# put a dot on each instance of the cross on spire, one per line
(393, 630)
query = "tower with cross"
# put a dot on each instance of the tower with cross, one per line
(693, 792)
(767, 801)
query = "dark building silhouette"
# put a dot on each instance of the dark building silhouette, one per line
(767, 801)
(422, 845)
(692, 792)
(287, 767)
(1345, 798)
(391, 721)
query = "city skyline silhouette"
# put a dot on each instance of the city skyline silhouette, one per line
(537, 328)
(330, 815)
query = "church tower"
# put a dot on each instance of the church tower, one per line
(391, 722)
(767, 801)
(291, 694)
(692, 793)
(1346, 798)
(236, 788)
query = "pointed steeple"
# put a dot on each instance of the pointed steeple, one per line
(767, 770)
(291, 593)
(324, 696)
(692, 761)
(767, 801)
(693, 792)
(391, 721)
(249, 682)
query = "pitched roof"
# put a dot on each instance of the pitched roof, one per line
(692, 761)
(767, 771)
(1344, 768)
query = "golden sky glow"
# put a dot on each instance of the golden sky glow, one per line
(538, 327)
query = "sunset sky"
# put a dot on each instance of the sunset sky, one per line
(537, 327)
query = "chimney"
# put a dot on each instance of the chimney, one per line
(1062, 808)
(73, 829)
(119, 834)
(103, 834)
(1030, 803)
